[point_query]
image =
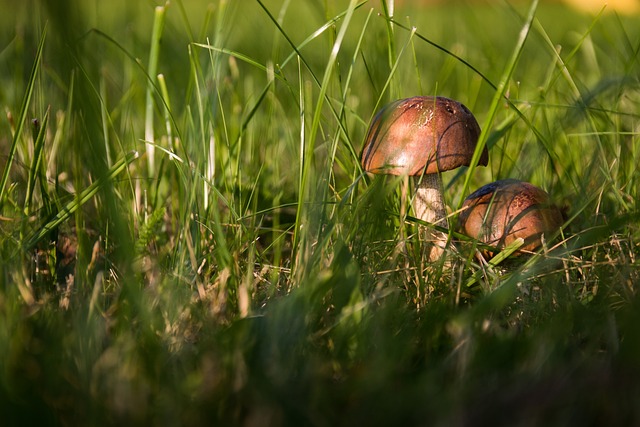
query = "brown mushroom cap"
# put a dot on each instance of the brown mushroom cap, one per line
(500, 212)
(423, 134)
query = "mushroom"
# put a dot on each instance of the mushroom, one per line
(501, 212)
(421, 137)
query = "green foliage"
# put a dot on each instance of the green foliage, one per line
(187, 235)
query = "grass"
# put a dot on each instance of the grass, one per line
(251, 274)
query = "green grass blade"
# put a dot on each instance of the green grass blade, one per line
(307, 161)
(36, 162)
(22, 118)
(302, 160)
(328, 73)
(496, 260)
(82, 198)
(154, 54)
(387, 10)
(394, 66)
(297, 52)
(104, 115)
(347, 85)
(167, 112)
(499, 95)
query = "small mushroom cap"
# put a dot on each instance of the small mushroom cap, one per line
(423, 134)
(500, 212)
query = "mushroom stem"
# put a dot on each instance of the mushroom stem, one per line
(428, 205)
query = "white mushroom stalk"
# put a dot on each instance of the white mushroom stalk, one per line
(429, 206)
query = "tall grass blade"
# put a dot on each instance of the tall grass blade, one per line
(387, 10)
(154, 54)
(307, 161)
(342, 113)
(168, 122)
(496, 260)
(302, 160)
(104, 115)
(36, 170)
(499, 95)
(328, 73)
(393, 67)
(22, 118)
(297, 53)
(82, 198)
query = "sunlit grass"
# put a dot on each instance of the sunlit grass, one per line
(188, 236)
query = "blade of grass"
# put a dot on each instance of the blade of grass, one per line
(347, 85)
(499, 95)
(315, 124)
(582, 100)
(392, 72)
(154, 54)
(496, 260)
(387, 10)
(150, 79)
(302, 155)
(329, 72)
(82, 198)
(26, 101)
(217, 118)
(35, 171)
(297, 51)
(104, 114)
(167, 115)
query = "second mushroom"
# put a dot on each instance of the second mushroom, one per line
(500, 212)
(421, 137)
